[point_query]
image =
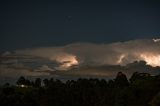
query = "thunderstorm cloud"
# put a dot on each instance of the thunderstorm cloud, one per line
(101, 54)
(58, 61)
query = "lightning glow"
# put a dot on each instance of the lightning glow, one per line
(66, 61)
(151, 59)
(120, 58)
(70, 62)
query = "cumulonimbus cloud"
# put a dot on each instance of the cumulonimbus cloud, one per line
(101, 54)
(81, 54)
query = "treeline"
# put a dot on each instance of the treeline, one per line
(141, 89)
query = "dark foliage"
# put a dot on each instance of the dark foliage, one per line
(142, 90)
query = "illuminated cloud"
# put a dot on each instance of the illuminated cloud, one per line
(100, 54)
(66, 60)
(59, 60)
(151, 59)
(44, 68)
(16, 70)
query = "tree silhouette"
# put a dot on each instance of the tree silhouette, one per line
(156, 100)
(21, 81)
(37, 82)
(142, 90)
(138, 76)
(46, 82)
(121, 80)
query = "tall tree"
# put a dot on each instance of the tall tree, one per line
(38, 82)
(121, 80)
(21, 81)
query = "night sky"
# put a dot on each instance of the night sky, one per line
(37, 23)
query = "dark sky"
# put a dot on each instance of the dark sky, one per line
(36, 23)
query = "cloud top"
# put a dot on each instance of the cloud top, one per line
(100, 54)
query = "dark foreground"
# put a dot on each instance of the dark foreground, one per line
(141, 90)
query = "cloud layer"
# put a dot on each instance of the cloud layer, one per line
(101, 54)
(85, 59)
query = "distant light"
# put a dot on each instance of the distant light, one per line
(22, 86)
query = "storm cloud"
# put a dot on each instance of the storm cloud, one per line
(101, 54)
(82, 60)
